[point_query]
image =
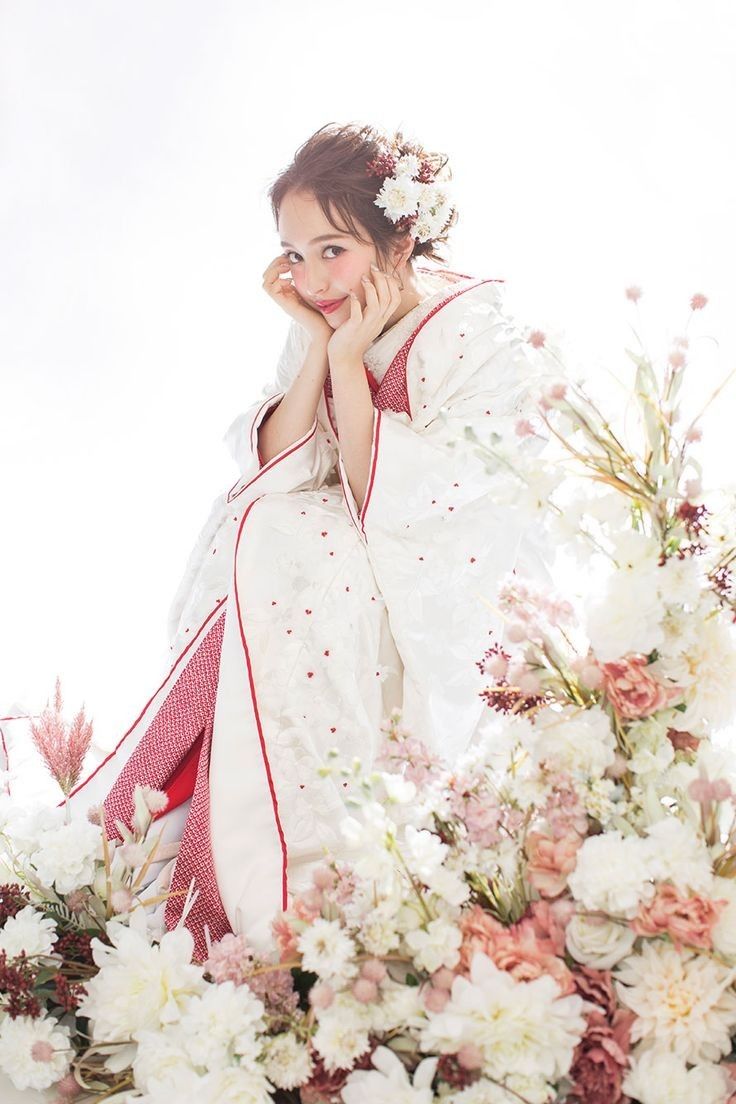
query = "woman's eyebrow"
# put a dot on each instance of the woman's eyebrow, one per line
(322, 237)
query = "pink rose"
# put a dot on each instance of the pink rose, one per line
(632, 691)
(550, 861)
(601, 1059)
(685, 919)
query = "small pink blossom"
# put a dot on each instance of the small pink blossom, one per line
(537, 338)
(632, 691)
(470, 1057)
(704, 791)
(694, 434)
(633, 293)
(285, 937)
(524, 428)
(324, 877)
(68, 1088)
(698, 301)
(683, 342)
(443, 978)
(321, 995)
(435, 999)
(230, 959)
(364, 990)
(374, 970)
(677, 359)
(122, 900)
(693, 488)
(308, 906)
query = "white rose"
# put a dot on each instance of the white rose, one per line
(598, 942)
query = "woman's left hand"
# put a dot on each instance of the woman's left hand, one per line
(353, 336)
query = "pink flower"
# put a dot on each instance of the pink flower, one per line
(632, 691)
(482, 819)
(633, 293)
(520, 949)
(285, 937)
(601, 1059)
(677, 359)
(698, 301)
(550, 861)
(536, 339)
(687, 920)
(683, 741)
(229, 959)
(524, 428)
(62, 747)
(695, 433)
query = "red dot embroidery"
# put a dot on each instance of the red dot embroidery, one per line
(303, 512)
(310, 674)
(456, 484)
(186, 630)
(434, 500)
(332, 553)
(324, 499)
(462, 335)
(273, 603)
(472, 559)
(333, 729)
(301, 785)
(347, 588)
(373, 598)
(288, 632)
(307, 611)
(423, 379)
(324, 533)
(450, 507)
(420, 557)
(460, 356)
(326, 651)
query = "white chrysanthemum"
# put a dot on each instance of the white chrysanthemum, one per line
(401, 1006)
(580, 743)
(286, 1061)
(660, 1077)
(161, 1057)
(724, 932)
(398, 197)
(598, 942)
(233, 1085)
(343, 1032)
(436, 945)
(34, 1053)
(678, 854)
(533, 1090)
(327, 950)
(407, 165)
(683, 1002)
(711, 699)
(378, 932)
(679, 582)
(612, 874)
(434, 199)
(628, 616)
(29, 931)
(389, 1082)
(180, 1082)
(139, 986)
(520, 1027)
(66, 855)
(221, 1023)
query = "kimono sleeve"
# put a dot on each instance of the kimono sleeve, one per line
(305, 463)
(438, 541)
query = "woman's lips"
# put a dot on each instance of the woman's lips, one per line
(326, 308)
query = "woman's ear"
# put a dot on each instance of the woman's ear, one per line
(402, 250)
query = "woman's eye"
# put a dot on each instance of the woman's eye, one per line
(291, 252)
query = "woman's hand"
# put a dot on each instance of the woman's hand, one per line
(353, 336)
(288, 298)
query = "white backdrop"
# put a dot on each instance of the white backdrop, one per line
(591, 148)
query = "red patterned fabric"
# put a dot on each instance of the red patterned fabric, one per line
(185, 719)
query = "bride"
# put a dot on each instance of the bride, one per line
(342, 576)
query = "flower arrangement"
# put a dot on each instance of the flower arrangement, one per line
(550, 918)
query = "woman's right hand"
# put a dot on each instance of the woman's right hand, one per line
(288, 298)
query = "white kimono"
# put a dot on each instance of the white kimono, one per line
(302, 621)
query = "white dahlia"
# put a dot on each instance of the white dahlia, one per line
(660, 1077)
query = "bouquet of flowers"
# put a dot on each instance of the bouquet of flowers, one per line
(550, 918)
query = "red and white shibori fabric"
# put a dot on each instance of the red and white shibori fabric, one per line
(302, 620)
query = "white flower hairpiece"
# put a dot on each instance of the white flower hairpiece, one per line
(413, 193)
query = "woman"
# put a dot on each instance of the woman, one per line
(343, 574)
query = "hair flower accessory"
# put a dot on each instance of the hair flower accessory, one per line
(414, 195)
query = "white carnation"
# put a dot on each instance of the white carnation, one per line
(343, 1032)
(436, 945)
(678, 854)
(628, 616)
(660, 1077)
(222, 1023)
(597, 941)
(20, 1036)
(683, 1002)
(577, 742)
(520, 1027)
(612, 874)
(66, 855)
(28, 931)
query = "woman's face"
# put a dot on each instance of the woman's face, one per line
(325, 269)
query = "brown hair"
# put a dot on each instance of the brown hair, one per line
(332, 165)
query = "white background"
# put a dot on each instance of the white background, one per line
(591, 147)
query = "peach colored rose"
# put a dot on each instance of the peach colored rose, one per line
(550, 861)
(685, 919)
(632, 691)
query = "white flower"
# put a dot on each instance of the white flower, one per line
(724, 932)
(407, 165)
(327, 950)
(678, 854)
(521, 1027)
(25, 828)
(139, 986)
(535, 1090)
(682, 1001)
(222, 1022)
(660, 1077)
(28, 931)
(231, 1085)
(398, 197)
(628, 616)
(34, 1053)
(711, 699)
(577, 742)
(679, 582)
(437, 945)
(425, 853)
(343, 1032)
(287, 1062)
(401, 1006)
(67, 854)
(378, 932)
(389, 1082)
(598, 942)
(161, 1057)
(612, 874)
